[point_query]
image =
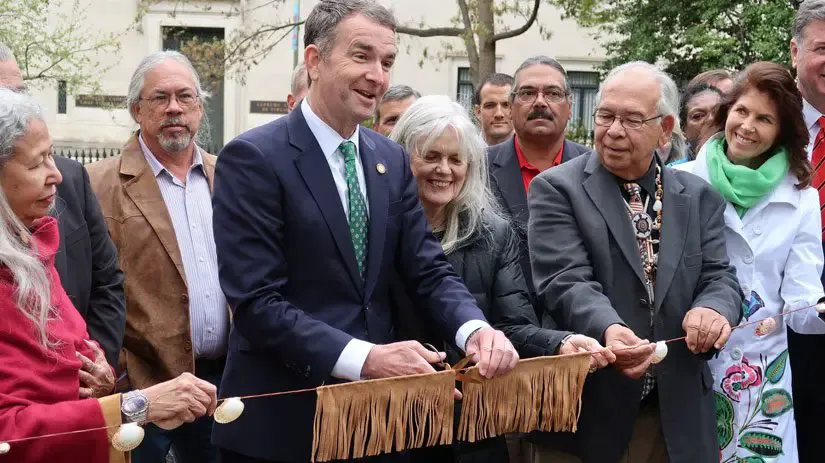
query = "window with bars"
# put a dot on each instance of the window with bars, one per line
(583, 88)
(61, 97)
(464, 88)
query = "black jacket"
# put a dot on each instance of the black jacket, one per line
(489, 266)
(87, 259)
(508, 187)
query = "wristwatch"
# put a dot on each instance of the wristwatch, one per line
(134, 405)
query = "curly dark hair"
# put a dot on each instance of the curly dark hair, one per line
(776, 81)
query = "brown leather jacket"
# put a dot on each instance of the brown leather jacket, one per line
(158, 342)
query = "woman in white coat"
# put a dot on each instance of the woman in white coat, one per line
(759, 165)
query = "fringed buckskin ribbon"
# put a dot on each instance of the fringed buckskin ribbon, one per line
(366, 418)
(539, 394)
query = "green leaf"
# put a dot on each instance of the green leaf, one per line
(776, 368)
(724, 419)
(775, 402)
(761, 443)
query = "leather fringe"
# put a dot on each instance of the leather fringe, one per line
(542, 393)
(367, 418)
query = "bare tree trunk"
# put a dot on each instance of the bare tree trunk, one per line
(480, 37)
(486, 42)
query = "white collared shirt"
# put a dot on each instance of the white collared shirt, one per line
(812, 122)
(329, 140)
(352, 358)
(190, 208)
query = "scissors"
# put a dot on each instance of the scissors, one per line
(460, 368)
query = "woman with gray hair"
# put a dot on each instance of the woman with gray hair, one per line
(448, 160)
(45, 341)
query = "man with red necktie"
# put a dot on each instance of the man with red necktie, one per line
(808, 56)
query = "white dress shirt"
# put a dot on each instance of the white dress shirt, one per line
(812, 122)
(190, 209)
(352, 358)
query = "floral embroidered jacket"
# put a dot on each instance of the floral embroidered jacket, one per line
(777, 251)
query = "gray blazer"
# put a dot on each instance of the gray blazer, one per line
(588, 273)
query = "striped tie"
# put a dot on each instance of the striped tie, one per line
(818, 160)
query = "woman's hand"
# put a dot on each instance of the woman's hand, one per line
(183, 399)
(96, 377)
(600, 356)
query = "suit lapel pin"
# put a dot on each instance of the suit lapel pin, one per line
(381, 168)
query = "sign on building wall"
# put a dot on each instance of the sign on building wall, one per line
(100, 101)
(267, 107)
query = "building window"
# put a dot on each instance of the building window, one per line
(583, 88)
(464, 88)
(61, 97)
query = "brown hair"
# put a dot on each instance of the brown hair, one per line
(778, 84)
(710, 78)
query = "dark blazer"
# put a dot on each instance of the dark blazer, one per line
(489, 265)
(588, 273)
(87, 260)
(288, 269)
(508, 187)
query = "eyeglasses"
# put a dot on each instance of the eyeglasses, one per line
(529, 95)
(605, 119)
(162, 101)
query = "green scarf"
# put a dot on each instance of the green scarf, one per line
(741, 185)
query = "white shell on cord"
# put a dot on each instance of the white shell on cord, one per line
(660, 353)
(229, 410)
(4, 448)
(766, 327)
(128, 437)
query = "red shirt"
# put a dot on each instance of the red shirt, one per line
(529, 171)
(39, 389)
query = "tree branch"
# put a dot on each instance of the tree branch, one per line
(469, 35)
(523, 28)
(263, 30)
(431, 32)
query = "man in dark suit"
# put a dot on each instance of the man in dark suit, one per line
(86, 259)
(805, 350)
(600, 273)
(541, 105)
(311, 213)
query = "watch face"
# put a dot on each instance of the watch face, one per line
(134, 404)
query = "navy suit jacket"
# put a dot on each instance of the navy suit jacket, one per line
(288, 269)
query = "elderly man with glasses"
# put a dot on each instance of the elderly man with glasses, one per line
(630, 252)
(157, 199)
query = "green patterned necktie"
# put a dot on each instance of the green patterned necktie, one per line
(358, 222)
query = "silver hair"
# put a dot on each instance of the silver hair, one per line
(808, 12)
(299, 79)
(540, 60)
(138, 80)
(32, 288)
(5, 53)
(322, 23)
(398, 92)
(668, 97)
(423, 122)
